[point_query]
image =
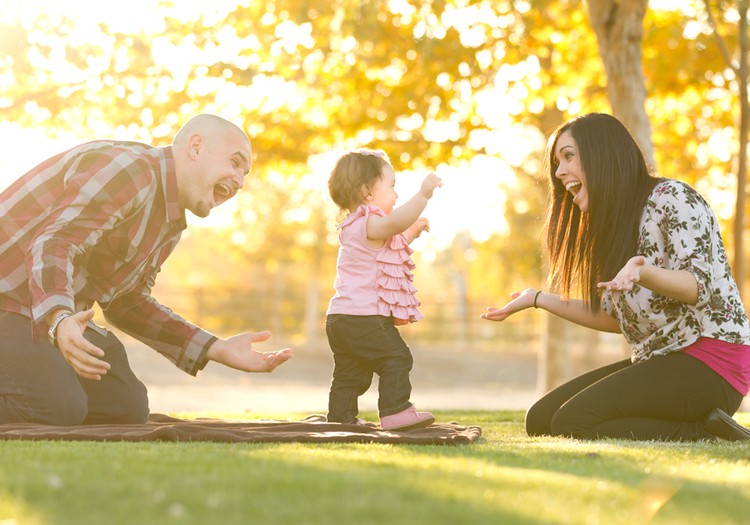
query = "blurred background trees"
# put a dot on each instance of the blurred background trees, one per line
(469, 88)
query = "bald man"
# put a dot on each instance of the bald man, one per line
(91, 225)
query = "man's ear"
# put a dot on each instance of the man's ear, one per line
(195, 142)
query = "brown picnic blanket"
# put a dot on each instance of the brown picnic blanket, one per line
(312, 429)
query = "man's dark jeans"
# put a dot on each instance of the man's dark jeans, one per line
(37, 385)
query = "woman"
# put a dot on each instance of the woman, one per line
(647, 258)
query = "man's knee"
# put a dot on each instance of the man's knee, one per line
(135, 407)
(130, 408)
(120, 397)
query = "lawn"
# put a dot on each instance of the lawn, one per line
(506, 477)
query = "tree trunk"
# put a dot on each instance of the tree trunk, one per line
(618, 25)
(554, 354)
(555, 366)
(739, 213)
(741, 70)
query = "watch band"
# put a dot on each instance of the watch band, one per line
(52, 332)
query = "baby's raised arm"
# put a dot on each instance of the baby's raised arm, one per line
(383, 228)
(430, 182)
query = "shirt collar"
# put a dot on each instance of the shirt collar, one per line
(175, 214)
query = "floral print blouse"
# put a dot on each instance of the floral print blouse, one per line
(679, 231)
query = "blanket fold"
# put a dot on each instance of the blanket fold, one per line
(312, 429)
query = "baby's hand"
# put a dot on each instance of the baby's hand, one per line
(416, 229)
(422, 225)
(429, 184)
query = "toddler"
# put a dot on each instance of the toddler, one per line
(374, 290)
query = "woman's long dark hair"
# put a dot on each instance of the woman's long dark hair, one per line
(587, 248)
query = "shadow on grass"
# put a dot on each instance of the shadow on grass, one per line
(505, 478)
(94, 483)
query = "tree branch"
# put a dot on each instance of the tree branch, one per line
(719, 40)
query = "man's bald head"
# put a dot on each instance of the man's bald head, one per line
(212, 157)
(206, 125)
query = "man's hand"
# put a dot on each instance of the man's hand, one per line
(237, 352)
(77, 350)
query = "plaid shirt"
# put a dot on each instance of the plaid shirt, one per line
(95, 224)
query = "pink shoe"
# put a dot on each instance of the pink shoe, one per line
(406, 420)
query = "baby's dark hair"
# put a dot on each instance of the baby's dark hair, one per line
(354, 171)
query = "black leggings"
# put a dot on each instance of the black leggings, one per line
(663, 398)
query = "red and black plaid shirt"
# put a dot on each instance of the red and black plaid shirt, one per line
(95, 224)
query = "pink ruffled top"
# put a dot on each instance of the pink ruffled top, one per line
(373, 281)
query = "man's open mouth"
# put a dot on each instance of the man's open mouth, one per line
(222, 191)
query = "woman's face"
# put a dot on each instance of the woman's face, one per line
(570, 171)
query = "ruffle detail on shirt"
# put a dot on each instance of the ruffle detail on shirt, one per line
(363, 210)
(394, 286)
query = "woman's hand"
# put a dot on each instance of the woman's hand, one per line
(628, 276)
(521, 301)
(680, 285)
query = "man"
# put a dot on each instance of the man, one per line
(94, 224)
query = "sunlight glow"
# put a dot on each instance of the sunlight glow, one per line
(473, 198)
(720, 191)
(476, 192)
(126, 17)
(29, 147)
(688, 8)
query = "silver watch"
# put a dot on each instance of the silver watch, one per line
(52, 332)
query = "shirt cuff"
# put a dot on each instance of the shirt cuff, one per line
(194, 358)
(702, 277)
(40, 310)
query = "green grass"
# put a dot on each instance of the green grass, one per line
(506, 477)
